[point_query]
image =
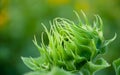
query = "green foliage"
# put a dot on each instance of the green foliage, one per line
(116, 65)
(33, 63)
(54, 71)
(76, 48)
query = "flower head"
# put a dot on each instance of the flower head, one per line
(72, 47)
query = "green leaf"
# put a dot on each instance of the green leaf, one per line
(36, 73)
(92, 67)
(58, 71)
(33, 63)
(54, 71)
(116, 64)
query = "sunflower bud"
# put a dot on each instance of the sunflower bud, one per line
(73, 47)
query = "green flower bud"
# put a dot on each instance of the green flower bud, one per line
(73, 47)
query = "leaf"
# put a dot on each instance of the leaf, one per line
(54, 71)
(58, 71)
(33, 63)
(116, 64)
(92, 67)
(36, 73)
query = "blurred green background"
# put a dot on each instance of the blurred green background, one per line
(20, 20)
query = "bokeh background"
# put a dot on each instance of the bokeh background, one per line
(20, 20)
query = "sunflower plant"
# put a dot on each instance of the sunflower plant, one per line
(73, 49)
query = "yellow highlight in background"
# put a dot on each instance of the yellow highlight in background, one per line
(58, 2)
(84, 5)
(3, 13)
(3, 18)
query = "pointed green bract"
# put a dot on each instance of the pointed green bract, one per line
(116, 65)
(74, 48)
